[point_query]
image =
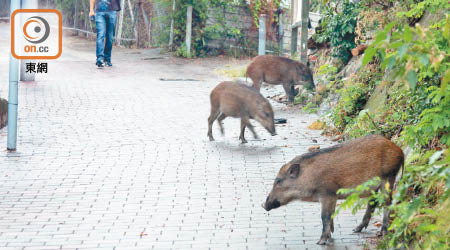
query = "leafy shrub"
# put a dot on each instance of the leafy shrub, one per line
(421, 60)
(201, 34)
(352, 100)
(338, 28)
(418, 109)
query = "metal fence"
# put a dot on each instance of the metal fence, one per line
(144, 23)
(134, 27)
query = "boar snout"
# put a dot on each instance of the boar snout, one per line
(310, 85)
(273, 132)
(269, 205)
(271, 129)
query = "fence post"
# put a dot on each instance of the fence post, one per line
(304, 34)
(147, 22)
(86, 17)
(294, 34)
(13, 93)
(262, 35)
(171, 26)
(280, 32)
(119, 31)
(188, 30)
(75, 19)
(133, 21)
(136, 13)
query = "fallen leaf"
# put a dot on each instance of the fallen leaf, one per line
(313, 148)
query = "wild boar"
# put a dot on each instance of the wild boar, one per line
(317, 176)
(240, 101)
(280, 70)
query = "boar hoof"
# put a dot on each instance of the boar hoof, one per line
(243, 140)
(211, 138)
(359, 228)
(382, 232)
(322, 241)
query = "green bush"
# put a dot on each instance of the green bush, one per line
(201, 34)
(353, 98)
(417, 113)
(339, 29)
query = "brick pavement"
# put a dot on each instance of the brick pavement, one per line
(117, 159)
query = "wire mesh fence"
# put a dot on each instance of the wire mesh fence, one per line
(149, 23)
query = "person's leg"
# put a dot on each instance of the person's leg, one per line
(100, 23)
(110, 30)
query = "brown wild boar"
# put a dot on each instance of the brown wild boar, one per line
(317, 176)
(239, 101)
(280, 70)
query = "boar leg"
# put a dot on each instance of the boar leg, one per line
(241, 136)
(257, 83)
(384, 227)
(289, 89)
(211, 119)
(220, 119)
(250, 126)
(332, 225)
(246, 123)
(369, 211)
(328, 205)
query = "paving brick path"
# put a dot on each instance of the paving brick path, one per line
(117, 159)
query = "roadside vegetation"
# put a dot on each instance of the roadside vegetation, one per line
(402, 91)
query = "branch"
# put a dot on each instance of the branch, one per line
(335, 7)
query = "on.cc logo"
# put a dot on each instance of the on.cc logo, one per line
(36, 29)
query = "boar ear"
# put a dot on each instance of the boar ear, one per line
(294, 170)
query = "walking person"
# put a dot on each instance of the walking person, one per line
(105, 12)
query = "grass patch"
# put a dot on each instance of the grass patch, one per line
(232, 72)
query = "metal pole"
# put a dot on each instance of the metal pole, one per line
(304, 34)
(280, 32)
(13, 92)
(171, 26)
(119, 32)
(188, 30)
(294, 35)
(262, 35)
(75, 18)
(30, 76)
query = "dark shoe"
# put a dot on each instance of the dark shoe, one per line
(100, 64)
(108, 64)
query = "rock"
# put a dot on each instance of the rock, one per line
(429, 18)
(352, 67)
(377, 99)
